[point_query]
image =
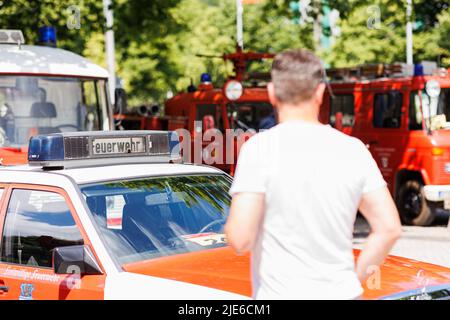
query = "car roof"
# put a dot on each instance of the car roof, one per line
(40, 60)
(87, 175)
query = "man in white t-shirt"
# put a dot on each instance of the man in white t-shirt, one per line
(296, 193)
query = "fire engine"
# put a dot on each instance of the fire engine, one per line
(402, 114)
(44, 89)
(242, 103)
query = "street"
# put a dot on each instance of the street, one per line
(428, 244)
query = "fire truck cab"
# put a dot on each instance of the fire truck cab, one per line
(404, 121)
(44, 90)
(242, 104)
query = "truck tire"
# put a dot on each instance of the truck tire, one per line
(412, 205)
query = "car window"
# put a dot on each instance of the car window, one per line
(251, 115)
(387, 109)
(31, 105)
(141, 219)
(344, 103)
(36, 223)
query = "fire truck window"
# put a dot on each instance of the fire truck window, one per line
(415, 114)
(209, 110)
(89, 108)
(344, 103)
(387, 109)
(31, 105)
(251, 115)
(36, 223)
(436, 111)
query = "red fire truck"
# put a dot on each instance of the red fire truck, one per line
(400, 113)
(404, 121)
(242, 103)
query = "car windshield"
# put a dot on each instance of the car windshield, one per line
(251, 115)
(154, 217)
(31, 105)
(436, 111)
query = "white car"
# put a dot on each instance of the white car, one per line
(92, 212)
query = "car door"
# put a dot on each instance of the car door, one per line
(35, 221)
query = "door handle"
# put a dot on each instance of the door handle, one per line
(4, 288)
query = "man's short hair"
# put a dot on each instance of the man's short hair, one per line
(296, 75)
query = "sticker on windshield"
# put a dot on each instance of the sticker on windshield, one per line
(206, 239)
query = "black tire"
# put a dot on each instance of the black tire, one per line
(412, 205)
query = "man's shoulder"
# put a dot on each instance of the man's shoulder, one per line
(262, 135)
(343, 137)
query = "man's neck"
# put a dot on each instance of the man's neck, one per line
(304, 112)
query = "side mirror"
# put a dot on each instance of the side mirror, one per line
(208, 122)
(120, 98)
(75, 259)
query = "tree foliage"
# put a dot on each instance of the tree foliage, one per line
(158, 42)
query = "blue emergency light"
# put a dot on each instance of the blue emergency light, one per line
(205, 78)
(47, 36)
(63, 150)
(418, 70)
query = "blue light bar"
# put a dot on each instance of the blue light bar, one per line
(103, 148)
(47, 36)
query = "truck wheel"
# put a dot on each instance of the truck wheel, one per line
(412, 205)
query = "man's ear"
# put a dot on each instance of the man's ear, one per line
(271, 93)
(320, 91)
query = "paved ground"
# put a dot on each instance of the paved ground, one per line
(429, 244)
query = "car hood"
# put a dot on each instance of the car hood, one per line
(223, 269)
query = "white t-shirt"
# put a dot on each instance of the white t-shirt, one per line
(313, 178)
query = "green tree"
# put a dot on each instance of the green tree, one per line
(29, 15)
(140, 30)
(364, 40)
(205, 29)
(158, 41)
(142, 48)
(370, 34)
(209, 28)
(443, 36)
